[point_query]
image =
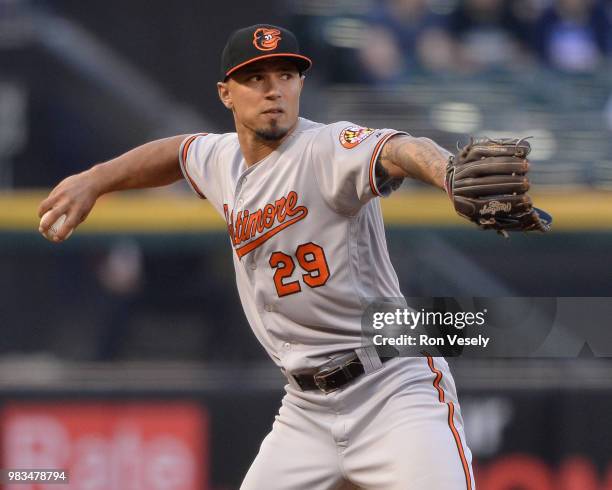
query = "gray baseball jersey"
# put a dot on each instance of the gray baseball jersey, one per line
(309, 250)
(309, 240)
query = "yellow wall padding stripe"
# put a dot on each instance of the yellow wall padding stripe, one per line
(162, 211)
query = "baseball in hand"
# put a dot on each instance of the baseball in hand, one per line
(55, 227)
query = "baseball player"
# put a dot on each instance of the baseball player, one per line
(299, 200)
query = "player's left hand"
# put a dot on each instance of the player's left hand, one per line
(487, 182)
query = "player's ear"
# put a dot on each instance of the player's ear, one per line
(224, 95)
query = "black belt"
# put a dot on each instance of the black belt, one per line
(333, 378)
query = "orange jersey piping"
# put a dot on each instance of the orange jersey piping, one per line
(451, 421)
(183, 163)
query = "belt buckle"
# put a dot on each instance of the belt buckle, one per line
(321, 381)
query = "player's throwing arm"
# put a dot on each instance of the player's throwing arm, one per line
(70, 202)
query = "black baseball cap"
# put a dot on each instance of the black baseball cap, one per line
(259, 42)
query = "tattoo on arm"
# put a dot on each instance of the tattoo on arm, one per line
(381, 172)
(419, 158)
(384, 181)
(432, 159)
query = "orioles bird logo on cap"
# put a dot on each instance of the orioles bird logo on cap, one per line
(266, 39)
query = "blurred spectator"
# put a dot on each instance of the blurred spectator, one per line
(120, 274)
(488, 34)
(574, 35)
(403, 36)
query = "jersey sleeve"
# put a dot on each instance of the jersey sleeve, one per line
(197, 156)
(344, 160)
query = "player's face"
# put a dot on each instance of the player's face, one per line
(264, 97)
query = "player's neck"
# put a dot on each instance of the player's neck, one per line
(254, 148)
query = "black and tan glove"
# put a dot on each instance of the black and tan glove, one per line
(487, 182)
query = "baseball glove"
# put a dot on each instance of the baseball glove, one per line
(487, 182)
